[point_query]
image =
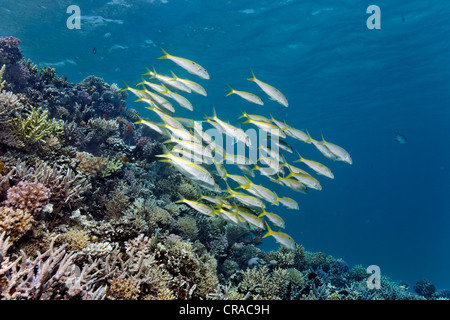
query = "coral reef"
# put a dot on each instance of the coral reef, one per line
(88, 212)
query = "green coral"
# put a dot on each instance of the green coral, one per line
(2, 83)
(35, 127)
(110, 166)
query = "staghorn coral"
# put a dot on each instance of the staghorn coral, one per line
(51, 275)
(67, 188)
(28, 196)
(15, 222)
(262, 285)
(35, 127)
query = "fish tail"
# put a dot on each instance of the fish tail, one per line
(253, 78)
(244, 115)
(300, 159)
(181, 200)
(173, 75)
(165, 56)
(148, 73)
(140, 120)
(231, 91)
(126, 86)
(269, 231)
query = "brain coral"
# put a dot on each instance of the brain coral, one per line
(28, 196)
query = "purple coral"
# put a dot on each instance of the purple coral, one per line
(83, 98)
(9, 50)
(28, 196)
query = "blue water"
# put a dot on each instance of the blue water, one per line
(358, 86)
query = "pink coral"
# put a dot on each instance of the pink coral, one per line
(28, 196)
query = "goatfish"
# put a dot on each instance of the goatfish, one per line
(272, 92)
(138, 93)
(274, 218)
(216, 200)
(246, 95)
(287, 202)
(282, 238)
(188, 65)
(256, 117)
(268, 127)
(162, 89)
(200, 207)
(167, 119)
(296, 134)
(191, 170)
(293, 184)
(259, 191)
(229, 129)
(244, 198)
(167, 81)
(307, 180)
(281, 144)
(196, 148)
(316, 166)
(190, 85)
(250, 218)
(338, 152)
(182, 101)
(154, 126)
(154, 99)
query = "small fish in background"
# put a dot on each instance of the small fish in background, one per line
(403, 18)
(400, 138)
(94, 50)
(106, 117)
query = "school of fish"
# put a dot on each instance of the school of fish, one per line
(232, 195)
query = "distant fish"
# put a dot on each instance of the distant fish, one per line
(400, 138)
(188, 65)
(94, 50)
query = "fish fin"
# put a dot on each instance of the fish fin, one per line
(244, 115)
(173, 75)
(253, 78)
(269, 231)
(165, 56)
(231, 91)
(309, 137)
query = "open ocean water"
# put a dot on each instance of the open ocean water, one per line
(360, 87)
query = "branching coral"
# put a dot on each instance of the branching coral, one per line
(28, 196)
(67, 187)
(264, 285)
(36, 126)
(51, 275)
